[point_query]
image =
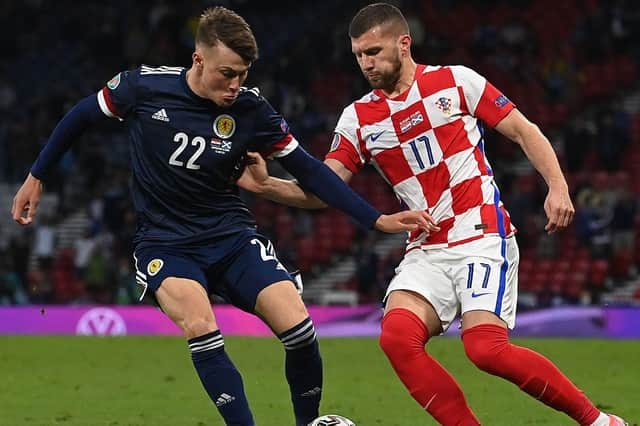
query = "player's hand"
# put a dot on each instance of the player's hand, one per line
(255, 173)
(559, 210)
(26, 200)
(406, 221)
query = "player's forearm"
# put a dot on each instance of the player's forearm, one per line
(321, 180)
(68, 129)
(290, 193)
(539, 151)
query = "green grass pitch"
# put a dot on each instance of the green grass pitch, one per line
(136, 381)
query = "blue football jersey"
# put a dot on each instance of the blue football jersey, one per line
(184, 149)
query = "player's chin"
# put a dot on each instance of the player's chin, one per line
(375, 82)
(227, 101)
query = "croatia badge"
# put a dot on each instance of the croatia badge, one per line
(444, 105)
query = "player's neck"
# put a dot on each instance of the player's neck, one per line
(407, 76)
(192, 82)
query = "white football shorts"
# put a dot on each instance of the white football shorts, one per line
(479, 275)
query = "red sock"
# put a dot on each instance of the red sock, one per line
(402, 339)
(488, 347)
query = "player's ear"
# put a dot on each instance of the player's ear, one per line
(197, 59)
(404, 42)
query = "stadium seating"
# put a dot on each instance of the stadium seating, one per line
(567, 67)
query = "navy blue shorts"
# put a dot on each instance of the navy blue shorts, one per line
(235, 268)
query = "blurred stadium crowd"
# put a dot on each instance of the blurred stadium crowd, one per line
(570, 66)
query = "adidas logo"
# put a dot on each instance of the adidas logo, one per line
(312, 392)
(224, 399)
(161, 115)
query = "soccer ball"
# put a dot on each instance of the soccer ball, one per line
(332, 420)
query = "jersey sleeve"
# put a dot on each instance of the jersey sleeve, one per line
(118, 98)
(345, 146)
(483, 99)
(272, 138)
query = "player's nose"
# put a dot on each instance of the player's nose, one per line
(367, 62)
(234, 84)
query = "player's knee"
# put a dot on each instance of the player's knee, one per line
(479, 355)
(403, 335)
(389, 341)
(298, 310)
(198, 326)
(484, 345)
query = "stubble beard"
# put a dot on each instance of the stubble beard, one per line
(387, 80)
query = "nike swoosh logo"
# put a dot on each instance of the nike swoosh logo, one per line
(474, 294)
(375, 136)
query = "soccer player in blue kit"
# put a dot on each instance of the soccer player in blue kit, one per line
(189, 131)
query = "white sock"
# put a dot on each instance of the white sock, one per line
(602, 420)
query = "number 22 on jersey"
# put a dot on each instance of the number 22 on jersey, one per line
(183, 139)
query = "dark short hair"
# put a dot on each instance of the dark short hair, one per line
(378, 14)
(224, 25)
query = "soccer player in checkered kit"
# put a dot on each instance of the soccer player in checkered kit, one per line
(420, 127)
(189, 130)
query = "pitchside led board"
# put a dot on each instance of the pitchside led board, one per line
(330, 321)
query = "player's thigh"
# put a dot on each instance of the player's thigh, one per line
(154, 264)
(422, 286)
(486, 280)
(478, 317)
(416, 303)
(178, 284)
(257, 282)
(186, 302)
(280, 306)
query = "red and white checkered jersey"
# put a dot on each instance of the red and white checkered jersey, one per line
(428, 144)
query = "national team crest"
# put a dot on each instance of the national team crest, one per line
(114, 82)
(154, 266)
(224, 126)
(444, 105)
